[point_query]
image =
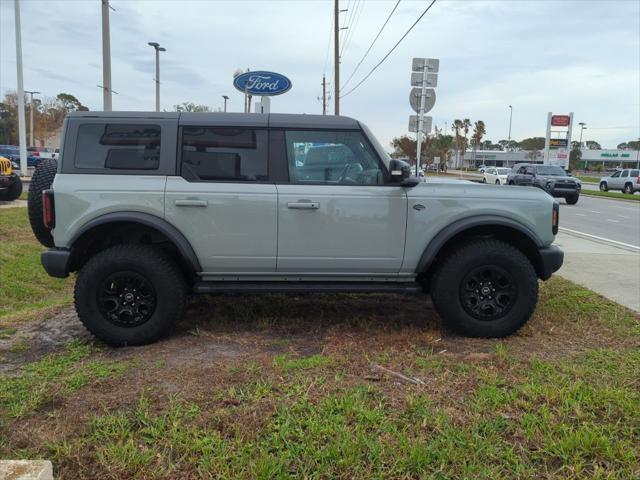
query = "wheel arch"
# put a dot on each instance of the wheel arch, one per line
(131, 227)
(485, 226)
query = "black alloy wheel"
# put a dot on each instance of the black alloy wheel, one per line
(488, 292)
(126, 299)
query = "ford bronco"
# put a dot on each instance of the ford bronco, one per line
(150, 207)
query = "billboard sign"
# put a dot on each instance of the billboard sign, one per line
(557, 142)
(560, 120)
(262, 83)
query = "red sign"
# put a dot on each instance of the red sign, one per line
(559, 120)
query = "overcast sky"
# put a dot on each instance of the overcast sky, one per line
(538, 56)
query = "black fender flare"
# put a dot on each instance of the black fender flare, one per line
(148, 220)
(459, 226)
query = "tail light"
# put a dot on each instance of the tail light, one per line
(555, 218)
(48, 209)
(35, 153)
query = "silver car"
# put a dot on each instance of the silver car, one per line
(627, 180)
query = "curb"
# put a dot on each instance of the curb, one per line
(609, 198)
(601, 240)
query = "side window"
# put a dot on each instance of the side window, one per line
(332, 157)
(521, 170)
(634, 173)
(224, 154)
(625, 174)
(118, 146)
(528, 170)
(616, 174)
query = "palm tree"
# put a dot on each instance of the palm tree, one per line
(456, 126)
(466, 124)
(478, 132)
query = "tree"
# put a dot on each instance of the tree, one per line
(476, 139)
(404, 146)
(593, 145)
(533, 155)
(533, 143)
(633, 144)
(191, 107)
(443, 145)
(575, 156)
(456, 127)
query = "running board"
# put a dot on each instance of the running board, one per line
(305, 287)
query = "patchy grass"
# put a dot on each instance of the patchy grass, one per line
(26, 287)
(589, 179)
(618, 195)
(292, 391)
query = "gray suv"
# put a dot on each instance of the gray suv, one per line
(550, 178)
(151, 207)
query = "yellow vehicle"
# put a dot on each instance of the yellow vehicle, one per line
(10, 183)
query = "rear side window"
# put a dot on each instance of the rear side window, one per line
(224, 154)
(118, 146)
(625, 174)
(635, 173)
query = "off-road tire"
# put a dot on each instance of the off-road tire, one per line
(628, 189)
(604, 187)
(42, 179)
(572, 200)
(13, 192)
(143, 261)
(447, 287)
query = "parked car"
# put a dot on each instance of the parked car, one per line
(482, 168)
(10, 183)
(12, 152)
(627, 180)
(497, 175)
(550, 178)
(148, 207)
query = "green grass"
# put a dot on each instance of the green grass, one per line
(618, 195)
(54, 376)
(25, 285)
(588, 178)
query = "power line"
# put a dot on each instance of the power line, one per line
(390, 51)
(354, 23)
(326, 57)
(372, 43)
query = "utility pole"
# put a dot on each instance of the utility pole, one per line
(225, 101)
(106, 57)
(336, 56)
(510, 118)
(22, 134)
(583, 126)
(31, 113)
(324, 95)
(158, 49)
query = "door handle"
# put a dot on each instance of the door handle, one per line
(191, 203)
(304, 205)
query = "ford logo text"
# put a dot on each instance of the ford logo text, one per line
(262, 83)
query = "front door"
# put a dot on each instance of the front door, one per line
(337, 215)
(222, 201)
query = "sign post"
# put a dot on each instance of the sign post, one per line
(422, 99)
(556, 150)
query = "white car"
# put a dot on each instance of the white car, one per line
(497, 175)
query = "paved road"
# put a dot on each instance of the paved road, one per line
(610, 219)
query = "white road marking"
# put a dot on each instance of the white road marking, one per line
(623, 216)
(593, 211)
(613, 221)
(602, 239)
(581, 214)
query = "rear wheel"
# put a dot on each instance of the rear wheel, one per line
(603, 187)
(484, 179)
(130, 294)
(498, 182)
(572, 200)
(42, 179)
(628, 188)
(13, 192)
(485, 289)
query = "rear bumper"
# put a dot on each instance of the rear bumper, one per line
(551, 261)
(56, 262)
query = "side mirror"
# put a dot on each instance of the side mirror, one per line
(401, 173)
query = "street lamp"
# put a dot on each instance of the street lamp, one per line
(158, 49)
(510, 118)
(225, 102)
(31, 94)
(583, 126)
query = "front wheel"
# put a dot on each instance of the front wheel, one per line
(628, 188)
(130, 294)
(572, 200)
(484, 179)
(13, 192)
(485, 289)
(603, 187)
(497, 182)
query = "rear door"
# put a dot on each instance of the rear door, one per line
(222, 199)
(337, 215)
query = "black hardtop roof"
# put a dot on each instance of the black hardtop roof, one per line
(277, 120)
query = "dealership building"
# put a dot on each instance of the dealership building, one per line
(590, 158)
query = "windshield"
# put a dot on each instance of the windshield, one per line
(551, 170)
(503, 171)
(376, 145)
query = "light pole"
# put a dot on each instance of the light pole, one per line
(583, 126)
(31, 94)
(158, 49)
(510, 118)
(225, 102)
(106, 58)
(22, 135)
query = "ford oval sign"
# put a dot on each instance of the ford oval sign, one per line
(262, 83)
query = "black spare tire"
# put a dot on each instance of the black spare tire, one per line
(42, 180)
